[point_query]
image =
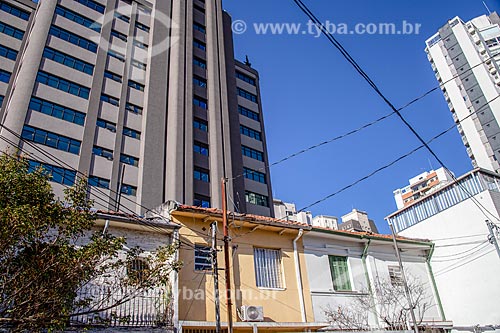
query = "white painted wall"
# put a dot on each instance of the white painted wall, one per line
(467, 276)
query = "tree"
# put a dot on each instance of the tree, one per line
(49, 252)
(388, 302)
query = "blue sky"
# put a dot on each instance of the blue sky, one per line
(311, 94)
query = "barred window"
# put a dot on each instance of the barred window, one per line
(202, 258)
(268, 270)
(395, 275)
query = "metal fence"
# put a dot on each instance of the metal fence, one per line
(123, 307)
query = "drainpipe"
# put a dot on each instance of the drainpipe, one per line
(175, 286)
(106, 225)
(434, 286)
(299, 277)
(367, 277)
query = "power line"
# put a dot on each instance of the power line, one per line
(463, 254)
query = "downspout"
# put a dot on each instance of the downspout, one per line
(106, 225)
(367, 277)
(175, 285)
(434, 286)
(298, 275)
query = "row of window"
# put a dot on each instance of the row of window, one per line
(92, 5)
(113, 76)
(201, 201)
(245, 78)
(24, 15)
(68, 61)
(248, 113)
(116, 55)
(250, 133)
(254, 175)
(133, 108)
(63, 85)
(112, 127)
(200, 124)
(8, 53)
(73, 39)
(200, 62)
(245, 94)
(57, 111)
(130, 160)
(199, 27)
(136, 85)
(119, 35)
(198, 81)
(57, 174)
(200, 148)
(11, 31)
(106, 153)
(77, 18)
(1, 100)
(51, 139)
(201, 102)
(256, 199)
(252, 153)
(199, 44)
(110, 99)
(104, 183)
(201, 174)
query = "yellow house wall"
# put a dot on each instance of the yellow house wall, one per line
(196, 289)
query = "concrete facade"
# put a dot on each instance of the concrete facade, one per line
(465, 59)
(464, 262)
(148, 95)
(358, 221)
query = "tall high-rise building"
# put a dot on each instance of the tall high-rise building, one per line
(465, 57)
(143, 96)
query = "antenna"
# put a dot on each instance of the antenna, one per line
(487, 9)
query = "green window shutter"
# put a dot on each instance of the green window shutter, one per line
(340, 273)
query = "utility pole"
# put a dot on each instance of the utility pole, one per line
(215, 272)
(492, 237)
(405, 282)
(226, 257)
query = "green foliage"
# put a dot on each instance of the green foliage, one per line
(48, 250)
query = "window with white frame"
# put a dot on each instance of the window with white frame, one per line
(395, 275)
(202, 258)
(268, 271)
(340, 273)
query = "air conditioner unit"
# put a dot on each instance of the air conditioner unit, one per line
(251, 313)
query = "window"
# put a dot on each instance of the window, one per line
(92, 5)
(11, 31)
(201, 102)
(51, 139)
(201, 174)
(133, 108)
(139, 44)
(200, 45)
(122, 17)
(395, 275)
(200, 148)
(201, 9)
(57, 111)
(245, 78)
(136, 85)
(202, 258)
(139, 65)
(131, 133)
(254, 175)
(200, 62)
(110, 99)
(250, 133)
(77, 18)
(200, 124)
(73, 39)
(130, 160)
(116, 55)
(340, 273)
(1, 100)
(113, 76)
(68, 61)
(199, 27)
(106, 153)
(98, 182)
(252, 153)
(14, 11)
(247, 95)
(4, 76)
(119, 35)
(56, 174)
(8, 53)
(256, 199)
(268, 270)
(137, 270)
(128, 190)
(63, 85)
(248, 113)
(201, 201)
(198, 81)
(141, 26)
(106, 124)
